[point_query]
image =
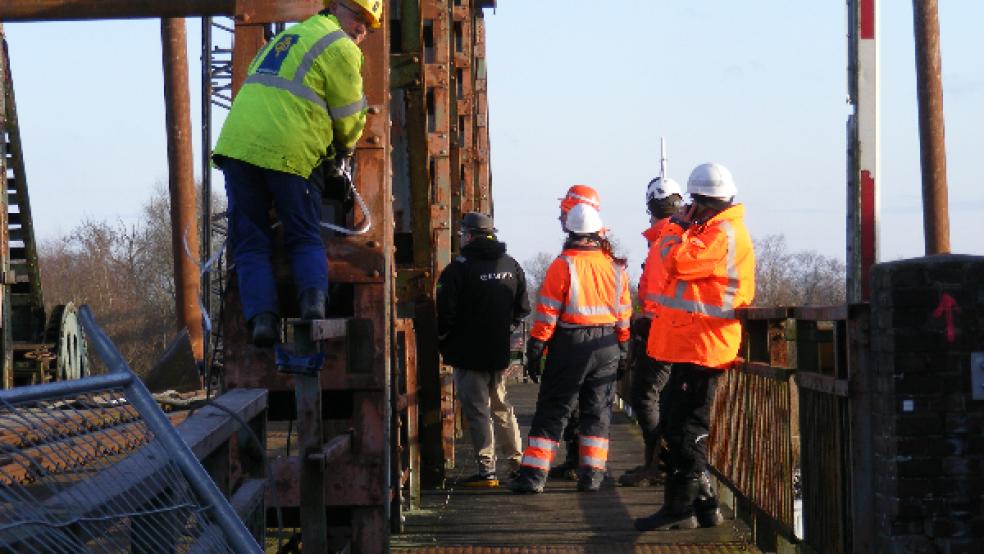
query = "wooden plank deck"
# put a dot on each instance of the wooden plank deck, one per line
(561, 519)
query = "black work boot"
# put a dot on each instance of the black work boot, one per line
(590, 479)
(265, 330)
(706, 504)
(678, 508)
(529, 481)
(312, 303)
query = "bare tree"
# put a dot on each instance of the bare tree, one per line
(124, 272)
(802, 278)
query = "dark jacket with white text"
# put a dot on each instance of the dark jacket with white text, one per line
(480, 296)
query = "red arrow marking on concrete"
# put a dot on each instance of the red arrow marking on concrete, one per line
(947, 306)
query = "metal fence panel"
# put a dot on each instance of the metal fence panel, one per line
(94, 466)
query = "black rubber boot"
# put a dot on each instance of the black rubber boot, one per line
(678, 509)
(590, 479)
(529, 481)
(312, 303)
(265, 329)
(706, 506)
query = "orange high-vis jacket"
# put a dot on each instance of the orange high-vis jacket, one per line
(710, 272)
(652, 270)
(583, 287)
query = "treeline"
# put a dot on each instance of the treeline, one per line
(124, 272)
(782, 278)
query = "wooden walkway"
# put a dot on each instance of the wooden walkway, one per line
(561, 520)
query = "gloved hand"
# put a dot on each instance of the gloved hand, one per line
(641, 326)
(623, 360)
(534, 358)
(340, 167)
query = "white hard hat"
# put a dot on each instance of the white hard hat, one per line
(713, 180)
(660, 188)
(583, 219)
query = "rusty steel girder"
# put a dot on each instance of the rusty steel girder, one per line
(181, 181)
(253, 12)
(440, 129)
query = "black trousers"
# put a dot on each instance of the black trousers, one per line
(688, 397)
(649, 377)
(580, 372)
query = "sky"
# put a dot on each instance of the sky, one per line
(580, 91)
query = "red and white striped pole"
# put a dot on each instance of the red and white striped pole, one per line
(863, 147)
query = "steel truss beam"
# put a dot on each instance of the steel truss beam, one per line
(254, 12)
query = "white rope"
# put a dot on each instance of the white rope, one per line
(366, 225)
(203, 270)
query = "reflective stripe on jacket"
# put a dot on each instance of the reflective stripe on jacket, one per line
(653, 270)
(302, 94)
(583, 287)
(710, 272)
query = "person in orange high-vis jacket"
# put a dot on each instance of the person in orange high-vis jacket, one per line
(707, 254)
(663, 199)
(582, 315)
(567, 469)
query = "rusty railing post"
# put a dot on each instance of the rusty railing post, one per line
(932, 147)
(181, 180)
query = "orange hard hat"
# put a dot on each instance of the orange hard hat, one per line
(580, 194)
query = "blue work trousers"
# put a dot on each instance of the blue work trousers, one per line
(251, 192)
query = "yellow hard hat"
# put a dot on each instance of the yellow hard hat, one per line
(373, 9)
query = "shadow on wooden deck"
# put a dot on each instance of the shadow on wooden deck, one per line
(561, 519)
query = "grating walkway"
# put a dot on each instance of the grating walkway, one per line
(559, 521)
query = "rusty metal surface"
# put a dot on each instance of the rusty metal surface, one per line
(480, 150)
(932, 145)
(751, 421)
(351, 480)
(181, 182)
(371, 418)
(248, 11)
(411, 422)
(310, 437)
(436, 15)
(247, 40)
(821, 313)
(762, 312)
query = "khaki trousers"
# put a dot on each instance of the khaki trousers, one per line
(483, 403)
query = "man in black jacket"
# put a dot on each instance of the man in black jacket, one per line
(481, 297)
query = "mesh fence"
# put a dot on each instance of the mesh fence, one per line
(85, 473)
(93, 465)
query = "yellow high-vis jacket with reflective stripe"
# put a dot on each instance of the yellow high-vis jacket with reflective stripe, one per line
(710, 271)
(302, 95)
(583, 287)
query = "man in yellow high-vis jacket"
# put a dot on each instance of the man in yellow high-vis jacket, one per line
(301, 105)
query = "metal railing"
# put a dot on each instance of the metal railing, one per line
(93, 465)
(788, 425)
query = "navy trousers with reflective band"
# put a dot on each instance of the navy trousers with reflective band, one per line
(688, 397)
(580, 371)
(649, 377)
(252, 191)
